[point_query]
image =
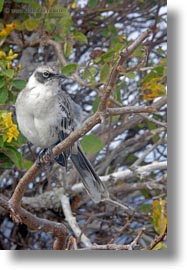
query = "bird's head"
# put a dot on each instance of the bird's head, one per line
(43, 75)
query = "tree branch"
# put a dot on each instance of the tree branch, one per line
(131, 109)
(123, 56)
(72, 221)
(119, 247)
(35, 223)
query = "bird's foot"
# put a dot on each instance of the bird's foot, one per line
(46, 156)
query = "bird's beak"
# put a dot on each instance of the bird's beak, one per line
(61, 76)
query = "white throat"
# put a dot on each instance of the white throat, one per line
(32, 83)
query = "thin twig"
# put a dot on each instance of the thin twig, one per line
(119, 247)
(157, 240)
(72, 221)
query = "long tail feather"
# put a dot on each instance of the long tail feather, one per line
(93, 184)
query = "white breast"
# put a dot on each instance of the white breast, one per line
(37, 114)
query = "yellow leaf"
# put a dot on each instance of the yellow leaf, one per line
(73, 4)
(153, 88)
(2, 55)
(159, 215)
(7, 29)
(51, 2)
(159, 246)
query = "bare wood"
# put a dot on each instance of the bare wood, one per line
(131, 109)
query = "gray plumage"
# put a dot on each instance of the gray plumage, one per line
(46, 115)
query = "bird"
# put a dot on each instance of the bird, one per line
(46, 115)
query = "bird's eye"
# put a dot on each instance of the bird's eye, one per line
(45, 74)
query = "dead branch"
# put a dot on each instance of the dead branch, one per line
(130, 246)
(72, 221)
(131, 109)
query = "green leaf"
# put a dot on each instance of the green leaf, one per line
(69, 69)
(89, 74)
(151, 125)
(5, 162)
(138, 52)
(108, 56)
(156, 72)
(13, 155)
(1, 141)
(92, 3)
(146, 208)
(80, 37)
(159, 70)
(8, 73)
(3, 95)
(104, 72)
(27, 164)
(1, 5)
(95, 104)
(129, 75)
(160, 246)
(2, 82)
(91, 144)
(19, 84)
(30, 24)
(67, 48)
(3, 64)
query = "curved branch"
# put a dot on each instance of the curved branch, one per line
(35, 223)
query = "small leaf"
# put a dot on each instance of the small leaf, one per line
(160, 246)
(129, 75)
(138, 52)
(5, 162)
(31, 24)
(1, 141)
(89, 74)
(69, 69)
(2, 82)
(8, 73)
(159, 215)
(91, 144)
(108, 56)
(92, 3)
(95, 104)
(67, 48)
(80, 37)
(3, 95)
(27, 164)
(13, 155)
(104, 72)
(19, 84)
(1, 5)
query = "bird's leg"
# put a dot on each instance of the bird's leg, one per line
(45, 156)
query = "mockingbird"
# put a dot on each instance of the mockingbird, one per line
(46, 115)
